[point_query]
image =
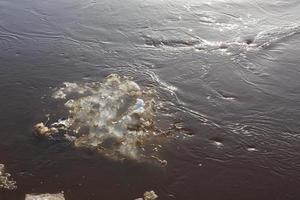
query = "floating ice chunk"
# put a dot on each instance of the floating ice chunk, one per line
(139, 106)
(58, 196)
(161, 162)
(69, 138)
(115, 110)
(42, 130)
(149, 196)
(130, 86)
(70, 88)
(59, 95)
(114, 117)
(62, 122)
(6, 182)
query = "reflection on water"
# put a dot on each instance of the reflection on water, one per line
(226, 81)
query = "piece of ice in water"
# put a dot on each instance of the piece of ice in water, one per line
(58, 196)
(6, 182)
(139, 106)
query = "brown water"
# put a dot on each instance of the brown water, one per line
(227, 70)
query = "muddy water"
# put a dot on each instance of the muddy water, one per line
(226, 72)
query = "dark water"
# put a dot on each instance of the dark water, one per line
(229, 70)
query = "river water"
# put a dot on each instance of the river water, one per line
(226, 71)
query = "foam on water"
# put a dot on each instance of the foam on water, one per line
(115, 118)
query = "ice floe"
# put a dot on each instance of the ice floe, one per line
(58, 196)
(114, 117)
(149, 195)
(6, 182)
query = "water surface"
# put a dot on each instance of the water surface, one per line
(227, 71)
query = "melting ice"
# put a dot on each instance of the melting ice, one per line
(115, 117)
(6, 181)
(59, 196)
